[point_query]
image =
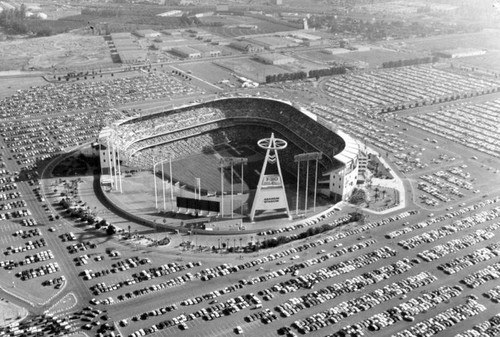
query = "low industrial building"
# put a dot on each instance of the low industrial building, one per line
(460, 52)
(167, 44)
(172, 32)
(147, 33)
(187, 52)
(275, 59)
(335, 51)
(174, 13)
(274, 42)
(207, 51)
(246, 46)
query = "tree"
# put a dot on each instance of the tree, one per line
(100, 224)
(358, 196)
(111, 230)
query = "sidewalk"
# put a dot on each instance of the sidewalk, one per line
(11, 313)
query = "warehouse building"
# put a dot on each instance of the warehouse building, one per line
(147, 33)
(187, 52)
(275, 59)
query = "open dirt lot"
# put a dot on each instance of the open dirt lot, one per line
(251, 69)
(230, 26)
(59, 51)
(488, 39)
(10, 82)
(490, 61)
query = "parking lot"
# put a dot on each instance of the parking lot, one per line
(429, 268)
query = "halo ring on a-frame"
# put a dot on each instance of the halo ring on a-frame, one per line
(279, 144)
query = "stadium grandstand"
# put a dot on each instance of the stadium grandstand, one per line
(207, 127)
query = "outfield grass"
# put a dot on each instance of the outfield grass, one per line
(207, 168)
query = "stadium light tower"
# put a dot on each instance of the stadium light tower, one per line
(119, 168)
(231, 161)
(221, 187)
(155, 163)
(301, 158)
(170, 155)
(108, 152)
(162, 161)
(116, 147)
(154, 180)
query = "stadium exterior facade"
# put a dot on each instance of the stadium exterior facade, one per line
(340, 152)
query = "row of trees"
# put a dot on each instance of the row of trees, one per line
(85, 215)
(13, 19)
(358, 196)
(317, 73)
(311, 231)
(281, 77)
(410, 62)
(327, 72)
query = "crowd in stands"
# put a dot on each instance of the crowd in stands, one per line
(176, 127)
(225, 132)
(390, 90)
(154, 125)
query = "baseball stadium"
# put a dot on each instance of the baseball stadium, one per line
(209, 152)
